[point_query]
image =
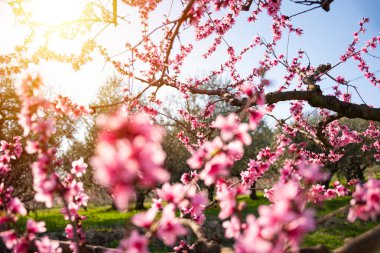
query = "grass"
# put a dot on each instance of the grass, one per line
(330, 234)
(97, 218)
(333, 233)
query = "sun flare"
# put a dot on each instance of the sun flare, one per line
(55, 12)
(56, 23)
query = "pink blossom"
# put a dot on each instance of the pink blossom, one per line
(227, 198)
(330, 193)
(215, 168)
(255, 117)
(22, 245)
(232, 227)
(9, 238)
(300, 226)
(365, 202)
(227, 201)
(32, 147)
(198, 205)
(228, 126)
(33, 227)
(69, 230)
(187, 178)
(128, 152)
(70, 212)
(341, 190)
(172, 193)
(47, 246)
(79, 167)
(318, 193)
(170, 227)
(183, 247)
(17, 207)
(195, 161)
(135, 243)
(4, 146)
(273, 217)
(145, 219)
(244, 243)
(311, 172)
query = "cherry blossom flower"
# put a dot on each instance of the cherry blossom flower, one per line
(187, 178)
(33, 227)
(231, 127)
(232, 227)
(17, 207)
(128, 152)
(47, 246)
(135, 243)
(9, 238)
(365, 203)
(311, 172)
(145, 219)
(216, 167)
(79, 167)
(170, 227)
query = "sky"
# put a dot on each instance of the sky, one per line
(326, 36)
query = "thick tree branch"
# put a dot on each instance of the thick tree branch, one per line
(368, 242)
(314, 98)
(344, 109)
(321, 126)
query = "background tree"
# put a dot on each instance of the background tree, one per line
(86, 135)
(20, 176)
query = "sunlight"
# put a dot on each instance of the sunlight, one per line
(55, 12)
(56, 23)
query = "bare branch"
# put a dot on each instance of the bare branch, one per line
(332, 214)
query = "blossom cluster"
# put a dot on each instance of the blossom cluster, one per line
(365, 202)
(283, 223)
(46, 180)
(128, 153)
(12, 208)
(167, 226)
(219, 154)
(319, 193)
(63, 105)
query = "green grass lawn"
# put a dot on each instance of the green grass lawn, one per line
(330, 234)
(97, 218)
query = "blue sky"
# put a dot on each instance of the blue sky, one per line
(326, 37)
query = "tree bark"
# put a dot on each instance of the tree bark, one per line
(253, 193)
(210, 192)
(315, 99)
(140, 198)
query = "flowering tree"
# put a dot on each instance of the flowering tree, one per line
(129, 150)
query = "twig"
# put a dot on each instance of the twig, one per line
(299, 13)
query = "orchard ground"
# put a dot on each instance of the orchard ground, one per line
(103, 220)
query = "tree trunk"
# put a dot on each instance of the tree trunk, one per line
(210, 190)
(327, 181)
(253, 194)
(113, 206)
(140, 197)
(332, 168)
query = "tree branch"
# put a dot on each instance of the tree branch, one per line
(314, 98)
(332, 214)
(368, 242)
